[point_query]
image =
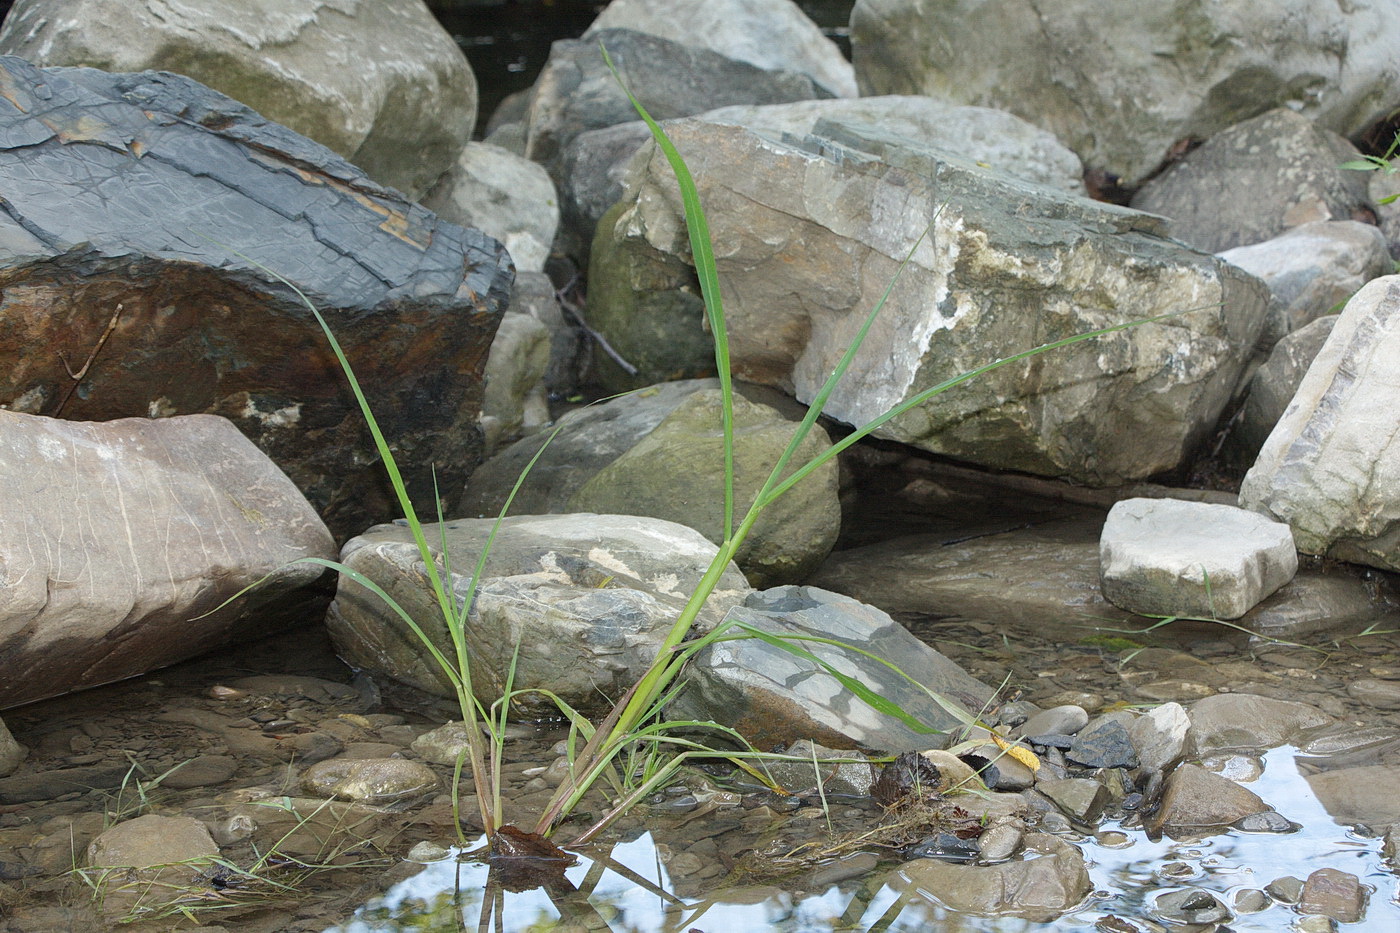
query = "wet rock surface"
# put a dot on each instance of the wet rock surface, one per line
(150, 282)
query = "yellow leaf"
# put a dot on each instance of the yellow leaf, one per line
(1024, 755)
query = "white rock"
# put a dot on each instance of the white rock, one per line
(505, 196)
(1331, 467)
(1169, 557)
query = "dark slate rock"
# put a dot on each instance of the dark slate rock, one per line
(946, 847)
(139, 212)
(1105, 745)
(1052, 740)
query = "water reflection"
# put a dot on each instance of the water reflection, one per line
(627, 887)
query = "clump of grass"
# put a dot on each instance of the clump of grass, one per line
(633, 748)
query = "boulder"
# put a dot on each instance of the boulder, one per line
(575, 92)
(1312, 270)
(1050, 880)
(774, 35)
(1272, 387)
(1167, 557)
(1006, 267)
(1331, 467)
(503, 195)
(1256, 180)
(381, 84)
(594, 164)
(1122, 90)
(150, 287)
(121, 542)
(660, 453)
(587, 599)
(772, 697)
(994, 139)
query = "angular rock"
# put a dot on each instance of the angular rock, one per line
(1168, 557)
(1082, 799)
(1333, 893)
(660, 453)
(1063, 720)
(591, 172)
(774, 697)
(119, 541)
(1244, 721)
(401, 112)
(802, 271)
(588, 599)
(576, 92)
(1103, 744)
(374, 781)
(1273, 386)
(149, 280)
(1159, 736)
(1254, 181)
(1312, 270)
(1038, 889)
(1183, 72)
(774, 35)
(534, 294)
(1190, 906)
(1197, 802)
(855, 778)
(503, 195)
(1327, 469)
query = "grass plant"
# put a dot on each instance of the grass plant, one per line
(632, 748)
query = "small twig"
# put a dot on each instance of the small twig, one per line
(576, 312)
(78, 376)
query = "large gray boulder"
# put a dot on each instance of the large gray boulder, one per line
(146, 221)
(1120, 90)
(1331, 467)
(774, 35)
(1311, 270)
(120, 542)
(660, 453)
(382, 84)
(586, 599)
(772, 696)
(1256, 180)
(1272, 388)
(1007, 266)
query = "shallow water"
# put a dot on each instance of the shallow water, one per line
(1127, 879)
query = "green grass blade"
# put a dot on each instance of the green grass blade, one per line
(703, 254)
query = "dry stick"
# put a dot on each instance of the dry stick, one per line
(576, 312)
(78, 376)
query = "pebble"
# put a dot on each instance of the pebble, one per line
(1251, 901)
(1270, 821)
(1382, 694)
(1286, 889)
(1191, 905)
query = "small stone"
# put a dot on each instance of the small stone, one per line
(1104, 745)
(427, 852)
(1270, 821)
(1062, 720)
(1113, 839)
(1382, 694)
(1191, 905)
(1333, 893)
(374, 781)
(1286, 889)
(1159, 736)
(852, 866)
(1251, 901)
(1081, 799)
(946, 847)
(1000, 842)
(1197, 801)
(204, 771)
(1315, 923)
